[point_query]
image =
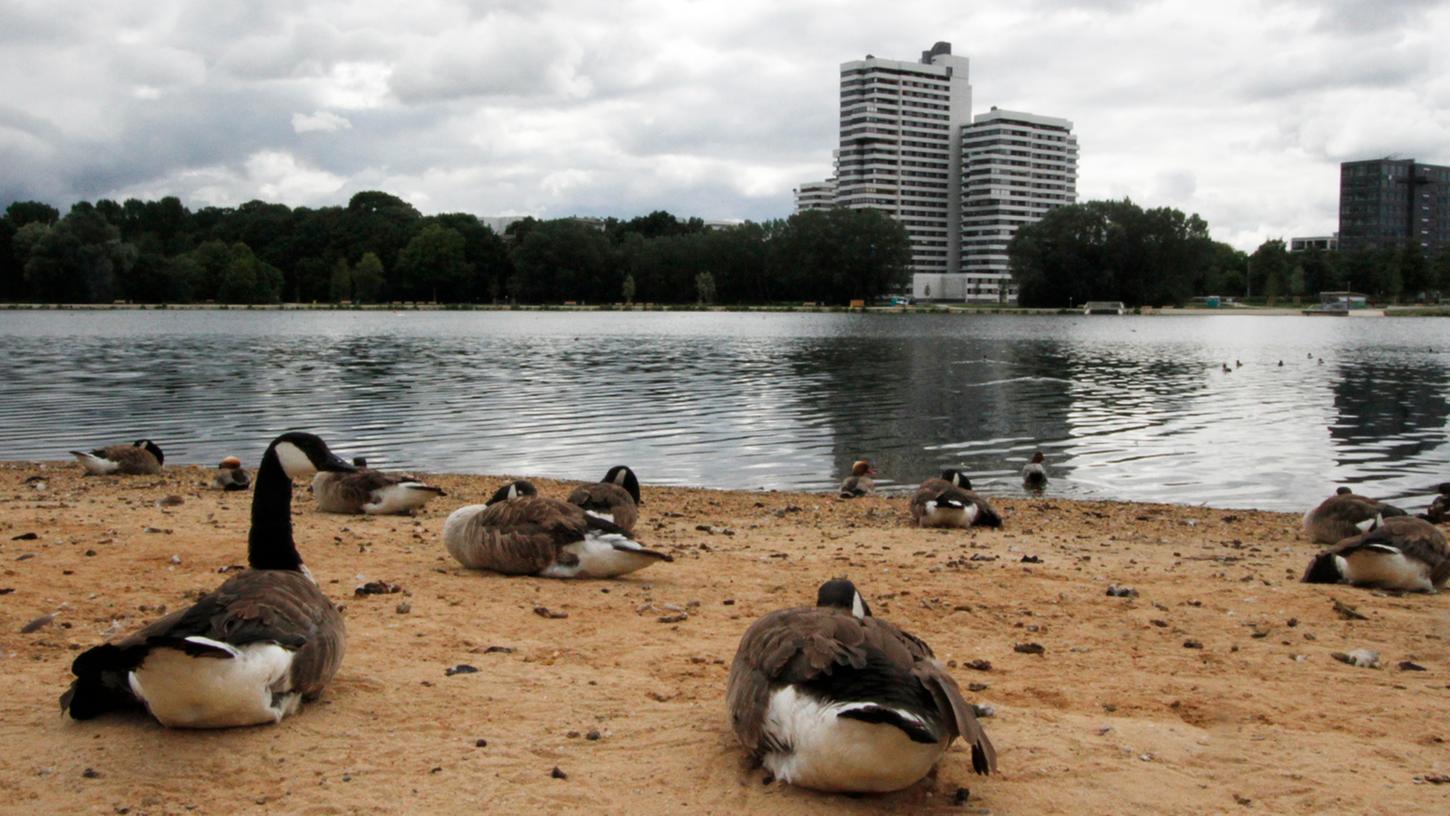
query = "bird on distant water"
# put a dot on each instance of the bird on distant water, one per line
(1439, 509)
(859, 483)
(831, 698)
(1401, 553)
(230, 475)
(140, 458)
(245, 654)
(1346, 514)
(1034, 473)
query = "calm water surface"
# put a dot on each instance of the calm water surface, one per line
(1124, 407)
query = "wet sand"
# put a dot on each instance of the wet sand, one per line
(1210, 690)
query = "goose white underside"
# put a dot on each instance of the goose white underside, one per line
(95, 465)
(600, 556)
(251, 687)
(938, 515)
(829, 753)
(454, 529)
(403, 497)
(1385, 567)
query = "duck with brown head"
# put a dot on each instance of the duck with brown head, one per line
(859, 483)
(247, 653)
(1034, 473)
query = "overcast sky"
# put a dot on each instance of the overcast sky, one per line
(1239, 110)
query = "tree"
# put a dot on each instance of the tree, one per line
(1416, 276)
(367, 279)
(705, 288)
(434, 259)
(249, 279)
(1270, 268)
(79, 260)
(20, 213)
(340, 286)
(627, 290)
(565, 259)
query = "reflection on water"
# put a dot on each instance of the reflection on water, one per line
(1127, 408)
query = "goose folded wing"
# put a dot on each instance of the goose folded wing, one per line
(526, 535)
(956, 711)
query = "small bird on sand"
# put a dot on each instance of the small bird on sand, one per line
(230, 475)
(859, 483)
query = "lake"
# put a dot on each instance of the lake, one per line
(1123, 407)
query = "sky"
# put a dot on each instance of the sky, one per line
(1239, 111)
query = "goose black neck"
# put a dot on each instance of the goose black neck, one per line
(270, 545)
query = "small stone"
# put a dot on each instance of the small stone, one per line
(979, 665)
(572, 735)
(170, 500)
(480, 743)
(1031, 559)
(728, 602)
(37, 624)
(984, 710)
(1028, 648)
(403, 608)
(1362, 658)
(961, 796)
(1406, 665)
(546, 612)
(91, 773)
(499, 650)
(592, 735)
(1192, 644)
(558, 774)
(1243, 800)
(675, 618)
(461, 668)
(1116, 591)
(176, 559)
(1146, 757)
(1346, 611)
(377, 588)
(25, 537)
(977, 687)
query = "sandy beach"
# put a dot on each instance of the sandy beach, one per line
(1211, 689)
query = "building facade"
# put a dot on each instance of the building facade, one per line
(1016, 167)
(1389, 203)
(1323, 243)
(815, 195)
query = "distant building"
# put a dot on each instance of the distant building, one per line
(815, 195)
(1324, 243)
(1016, 167)
(499, 223)
(1389, 203)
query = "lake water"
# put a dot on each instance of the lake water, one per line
(1123, 407)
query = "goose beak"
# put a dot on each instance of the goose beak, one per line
(336, 464)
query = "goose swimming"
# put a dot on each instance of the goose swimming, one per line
(1401, 553)
(1345, 514)
(247, 653)
(830, 697)
(140, 458)
(615, 498)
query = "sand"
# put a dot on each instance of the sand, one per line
(1211, 690)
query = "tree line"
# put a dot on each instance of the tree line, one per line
(1116, 250)
(379, 248)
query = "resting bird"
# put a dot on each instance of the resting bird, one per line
(615, 498)
(1439, 509)
(140, 458)
(831, 698)
(951, 502)
(1402, 553)
(230, 476)
(1034, 473)
(859, 483)
(371, 491)
(521, 534)
(1345, 514)
(247, 653)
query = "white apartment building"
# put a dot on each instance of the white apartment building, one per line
(1015, 168)
(815, 195)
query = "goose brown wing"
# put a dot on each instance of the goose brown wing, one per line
(525, 535)
(356, 489)
(987, 515)
(930, 490)
(606, 497)
(1418, 540)
(130, 458)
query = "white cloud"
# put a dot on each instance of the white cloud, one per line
(321, 122)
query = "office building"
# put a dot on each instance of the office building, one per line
(815, 195)
(1388, 203)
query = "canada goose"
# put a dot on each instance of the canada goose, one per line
(1403, 553)
(1034, 473)
(1226, 369)
(615, 498)
(859, 483)
(518, 533)
(1439, 509)
(230, 476)
(142, 457)
(950, 502)
(370, 491)
(1345, 514)
(245, 654)
(829, 697)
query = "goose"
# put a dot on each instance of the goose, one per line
(230, 476)
(1345, 514)
(859, 483)
(1439, 509)
(1034, 473)
(950, 502)
(519, 533)
(831, 698)
(247, 653)
(1402, 553)
(615, 498)
(370, 491)
(142, 457)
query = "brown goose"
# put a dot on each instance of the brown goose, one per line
(831, 698)
(1345, 514)
(615, 498)
(371, 491)
(1402, 553)
(517, 533)
(951, 502)
(859, 483)
(230, 475)
(142, 457)
(245, 654)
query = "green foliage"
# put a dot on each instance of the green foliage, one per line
(340, 284)
(705, 288)
(367, 279)
(1269, 269)
(434, 260)
(627, 289)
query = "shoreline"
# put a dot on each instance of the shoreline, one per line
(1163, 701)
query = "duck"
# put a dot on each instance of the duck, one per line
(1345, 514)
(140, 458)
(1439, 509)
(949, 501)
(1402, 553)
(518, 532)
(248, 653)
(230, 476)
(614, 498)
(832, 698)
(1034, 473)
(372, 492)
(859, 483)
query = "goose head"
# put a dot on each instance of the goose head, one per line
(303, 454)
(513, 490)
(153, 447)
(1323, 569)
(839, 593)
(1342, 491)
(957, 478)
(359, 462)
(1443, 489)
(624, 477)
